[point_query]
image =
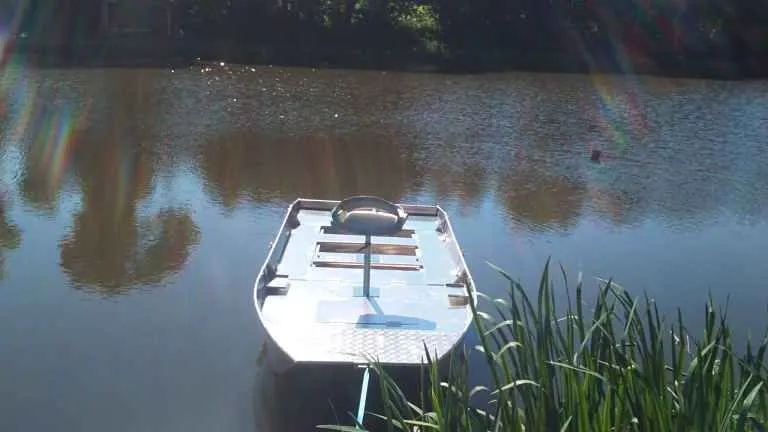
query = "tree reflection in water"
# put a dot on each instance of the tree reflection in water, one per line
(540, 200)
(112, 253)
(111, 248)
(44, 171)
(10, 235)
(248, 166)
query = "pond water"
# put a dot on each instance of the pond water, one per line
(137, 206)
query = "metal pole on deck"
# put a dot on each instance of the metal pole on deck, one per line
(367, 267)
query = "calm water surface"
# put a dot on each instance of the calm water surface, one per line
(137, 206)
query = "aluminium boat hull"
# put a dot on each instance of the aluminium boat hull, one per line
(308, 302)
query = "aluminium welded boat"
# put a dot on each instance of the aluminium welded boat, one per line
(347, 282)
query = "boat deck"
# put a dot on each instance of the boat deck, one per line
(418, 285)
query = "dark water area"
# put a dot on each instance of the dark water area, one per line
(137, 207)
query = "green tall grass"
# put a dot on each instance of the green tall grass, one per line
(614, 365)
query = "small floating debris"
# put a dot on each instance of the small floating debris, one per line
(596, 155)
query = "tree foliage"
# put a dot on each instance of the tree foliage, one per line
(658, 29)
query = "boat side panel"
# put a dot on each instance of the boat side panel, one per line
(276, 251)
(458, 255)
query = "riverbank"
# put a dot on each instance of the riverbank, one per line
(137, 51)
(598, 364)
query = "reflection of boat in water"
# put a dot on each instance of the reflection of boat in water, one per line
(307, 396)
(313, 394)
(347, 282)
